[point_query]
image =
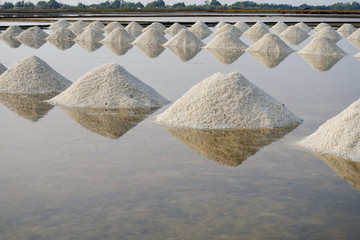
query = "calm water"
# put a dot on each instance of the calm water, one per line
(69, 174)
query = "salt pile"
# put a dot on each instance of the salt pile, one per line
(120, 36)
(32, 34)
(32, 76)
(270, 43)
(11, 42)
(220, 24)
(338, 136)
(257, 31)
(62, 45)
(354, 42)
(294, 35)
(96, 25)
(225, 56)
(90, 35)
(155, 25)
(200, 29)
(279, 27)
(134, 29)
(2, 68)
(320, 26)
(357, 55)
(11, 32)
(59, 24)
(111, 26)
(228, 41)
(150, 50)
(227, 101)
(109, 86)
(119, 48)
(303, 27)
(346, 30)
(61, 34)
(77, 27)
(184, 53)
(242, 26)
(328, 32)
(321, 63)
(355, 35)
(174, 29)
(151, 37)
(89, 46)
(229, 28)
(322, 46)
(184, 38)
(270, 59)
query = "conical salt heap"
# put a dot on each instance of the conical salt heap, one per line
(294, 35)
(62, 45)
(321, 63)
(346, 30)
(270, 59)
(242, 26)
(303, 27)
(59, 24)
(228, 41)
(322, 46)
(224, 101)
(257, 31)
(338, 136)
(90, 35)
(78, 27)
(32, 76)
(120, 36)
(270, 43)
(150, 50)
(229, 28)
(32, 34)
(119, 48)
(155, 25)
(11, 32)
(2, 69)
(96, 25)
(328, 32)
(111, 26)
(109, 86)
(134, 29)
(220, 24)
(184, 38)
(61, 34)
(150, 37)
(279, 27)
(225, 56)
(11, 42)
(89, 46)
(355, 35)
(174, 29)
(200, 29)
(320, 26)
(184, 53)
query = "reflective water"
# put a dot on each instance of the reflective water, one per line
(86, 174)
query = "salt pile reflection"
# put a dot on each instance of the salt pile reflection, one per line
(184, 53)
(225, 56)
(150, 50)
(321, 63)
(117, 48)
(270, 59)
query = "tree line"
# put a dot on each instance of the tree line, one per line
(160, 4)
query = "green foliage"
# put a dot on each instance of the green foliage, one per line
(8, 5)
(156, 4)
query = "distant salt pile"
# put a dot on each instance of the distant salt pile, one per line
(32, 76)
(184, 38)
(11, 32)
(90, 35)
(200, 29)
(279, 27)
(346, 30)
(270, 43)
(220, 24)
(320, 26)
(229, 28)
(59, 24)
(227, 101)
(77, 27)
(294, 35)
(303, 27)
(355, 35)
(96, 25)
(111, 26)
(32, 34)
(151, 37)
(119, 35)
(134, 29)
(328, 32)
(109, 86)
(338, 136)
(228, 41)
(61, 44)
(61, 34)
(322, 46)
(2, 69)
(257, 31)
(174, 29)
(242, 26)
(155, 25)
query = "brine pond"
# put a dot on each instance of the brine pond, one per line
(92, 174)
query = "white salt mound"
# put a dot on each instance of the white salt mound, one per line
(321, 26)
(346, 30)
(227, 101)
(32, 76)
(229, 28)
(174, 29)
(355, 35)
(242, 26)
(151, 37)
(270, 43)
(111, 26)
(119, 35)
(155, 25)
(328, 32)
(90, 35)
(294, 35)
(338, 136)
(303, 27)
(220, 24)
(59, 24)
(184, 38)
(259, 29)
(11, 32)
(2, 69)
(61, 34)
(322, 46)
(96, 25)
(77, 27)
(32, 34)
(279, 27)
(200, 29)
(228, 41)
(109, 86)
(134, 29)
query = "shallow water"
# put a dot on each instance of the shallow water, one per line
(66, 176)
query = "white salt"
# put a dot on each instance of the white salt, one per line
(155, 25)
(184, 53)
(119, 35)
(322, 46)
(96, 25)
(11, 32)
(151, 37)
(174, 29)
(355, 35)
(294, 35)
(320, 26)
(338, 136)
(89, 46)
(328, 32)
(229, 28)
(90, 35)
(32, 76)
(2, 69)
(119, 48)
(242, 26)
(150, 50)
(200, 29)
(357, 55)
(111, 26)
(279, 27)
(59, 24)
(270, 43)
(220, 24)
(109, 86)
(227, 101)
(346, 30)
(61, 34)
(303, 27)
(257, 31)
(228, 41)
(270, 59)
(184, 38)
(32, 34)
(77, 27)
(134, 29)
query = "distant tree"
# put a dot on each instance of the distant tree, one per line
(215, 3)
(29, 5)
(156, 4)
(19, 4)
(8, 5)
(81, 6)
(42, 5)
(179, 5)
(53, 4)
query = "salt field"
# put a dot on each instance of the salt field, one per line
(105, 173)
